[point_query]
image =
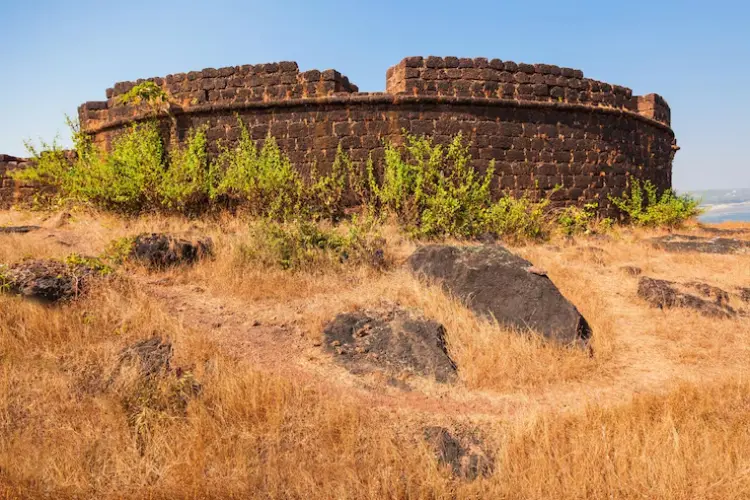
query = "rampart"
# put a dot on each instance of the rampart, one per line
(544, 126)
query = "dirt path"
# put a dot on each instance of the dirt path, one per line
(244, 331)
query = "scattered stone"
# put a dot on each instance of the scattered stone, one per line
(465, 456)
(719, 296)
(744, 294)
(17, 229)
(688, 243)
(162, 250)
(495, 283)
(46, 280)
(631, 270)
(666, 294)
(394, 340)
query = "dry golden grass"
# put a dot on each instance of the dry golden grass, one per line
(660, 411)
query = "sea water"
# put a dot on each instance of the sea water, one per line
(738, 212)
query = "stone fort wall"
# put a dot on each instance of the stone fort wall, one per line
(542, 125)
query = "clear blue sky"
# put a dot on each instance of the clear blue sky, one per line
(55, 55)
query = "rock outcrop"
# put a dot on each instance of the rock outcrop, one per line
(495, 283)
(689, 243)
(46, 280)
(666, 294)
(465, 455)
(163, 250)
(395, 341)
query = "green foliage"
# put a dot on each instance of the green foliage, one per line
(187, 183)
(644, 206)
(118, 250)
(129, 178)
(148, 92)
(96, 264)
(327, 194)
(516, 218)
(305, 245)
(435, 191)
(263, 180)
(432, 189)
(574, 220)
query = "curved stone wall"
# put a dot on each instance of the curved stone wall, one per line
(543, 126)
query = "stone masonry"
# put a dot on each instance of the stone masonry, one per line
(542, 125)
(12, 191)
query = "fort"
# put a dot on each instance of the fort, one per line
(542, 125)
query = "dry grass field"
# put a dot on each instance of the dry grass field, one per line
(661, 409)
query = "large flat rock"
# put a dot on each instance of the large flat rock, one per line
(396, 341)
(700, 244)
(496, 283)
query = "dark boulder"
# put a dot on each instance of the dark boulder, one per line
(744, 293)
(666, 294)
(464, 456)
(688, 243)
(495, 283)
(396, 341)
(46, 280)
(163, 250)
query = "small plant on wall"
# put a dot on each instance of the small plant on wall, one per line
(147, 92)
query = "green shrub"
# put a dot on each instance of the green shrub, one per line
(327, 195)
(644, 206)
(96, 264)
(263, 180)
(129, 178)
(574, 220)
(517, 218)
(187, 183)
(148, 92)
(305, 245)
(435, 191)
(118, 250)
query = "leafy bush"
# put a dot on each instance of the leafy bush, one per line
(574, 220)
(126, 179)
(435, 191)
(187, 183)
(306, 245)
(263, 180)
(645, 207)
(148, 92)
(517, 218)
